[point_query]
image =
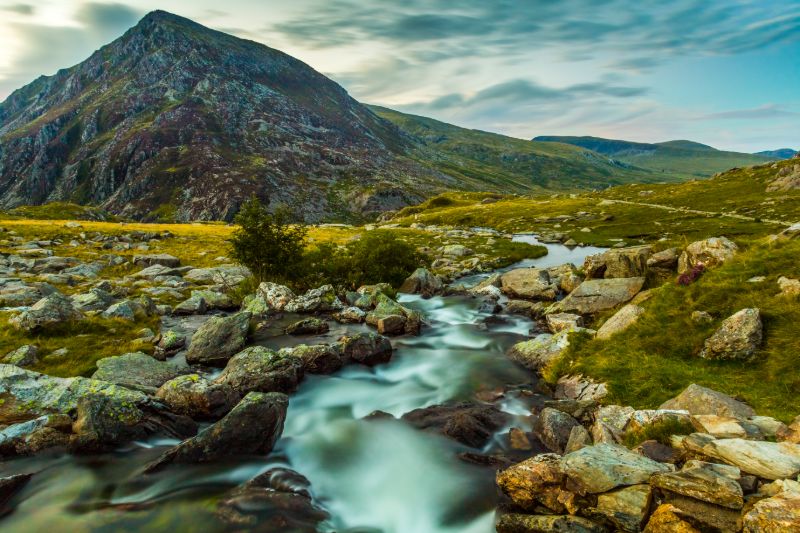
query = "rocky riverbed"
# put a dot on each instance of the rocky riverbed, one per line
(371, 411)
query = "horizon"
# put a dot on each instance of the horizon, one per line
(632, 79)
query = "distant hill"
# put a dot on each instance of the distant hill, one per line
(781, 153)
(679, 159)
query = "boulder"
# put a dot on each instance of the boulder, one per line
(720, 427)
(350, 315)
(665, 259)
(123, 310)
(218, 339)
(602, 467)
(528, 523)
(770, 460)
(699, 400)
(525, 308)
(668, 519)
(215, 299)
(579, 438)
(777, 514)
(277, 297)
(618, 263)
(366, 348)
(261, 370)
(320, 300)
(391, 325)
(469, 423)
(94, 300)
(789, 286)
(422, 282)
(528, 283)
(626, 508)
(564, 321)
(317, 359)
(739, 337)
(309, 326)
(191, 306)
(534, 482)
(538, 352)
(708, 253)
(195, 397)
(23, 356)
(620, 321)
(385, 307)
(156, 259)
(225, 275)
(610, 422)
(716, 484)
(32, 436)
(596, 295)
(579, 388)
(553, 428)
(252, 427)
(155, 271)
(169, 344)
(51, 310)
(136, 371)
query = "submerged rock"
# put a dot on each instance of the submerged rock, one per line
(218, 339)
(469, 423)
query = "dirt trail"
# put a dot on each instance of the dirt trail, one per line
(699, 212)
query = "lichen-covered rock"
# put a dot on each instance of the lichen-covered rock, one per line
(770, 460)
(528, 523)
(308, 326)
(215, 299)
(252, 427)
(218, 339)
(620, 321)
(366, 348)
(536, 353)
(317, 359)
(191, 306)
(618, 263)
(196, 397)
(721, 427)
(350, 315)
(709, 252)
(528, 283)
(534, 482)
(122, 310)
(779, 513)
(699, 400)
(703, 481)
(626, 508)
(277, 297)
(579, 388)
(94, 300)
(561, 321)
(789, 286)
(667, 519)
(739, 337)
(170, 343)
(423, 282)
(135, 371)
(409, 321)
(51, 310)
(553, 428)
(23, 356)
(602, 467)
(319, 300)
(596, 295)
(225, 275)
(261, 370)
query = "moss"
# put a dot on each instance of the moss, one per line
(660, 431)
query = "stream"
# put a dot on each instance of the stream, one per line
(374, 475)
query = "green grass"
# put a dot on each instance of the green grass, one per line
(660, 431)
(651, 362)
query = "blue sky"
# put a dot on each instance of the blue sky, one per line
(725, 73)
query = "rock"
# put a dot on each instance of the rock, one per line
(578, 438)
(770, 460)
(622, 320)
(122, 310)
(23, 356)
(618, 263)
(739, 337)
(320, 300)
(705, 516)
(710, 253)
(705, 482)
(721, 427)
(667, 519)
(518, 440)
(155, 271)
(526, 523)
(579, 388)
(643, 419)
(422, 282)
(528, 283)
(255, 304)
(602, 467)
(469, 423)
(699, 400)
(191, 306)
(564, 321)
(9, 486)
(610, 423)
(350, 315)
(768, 426)
(225, 275)
(596, 295)
(536, 353)
(215, 300)
(261, 370)
(51, 310)
(391, 325)
(169, 344)
(385, 307)
(136, 371)
(309, 326)
(252, 427)
(94, 300)
(777, 514)
(665, 259)
(276, 296)
(534, 482)
(32, 436)
(652, 449)
(695, 442)
(525, 308)
(788, 286)
(317, 359)
(702, 317)
(196, 397)
(218, 339)
(456, 250)
(553, 428)
(156, 259)
(366, 348)
(626, 508)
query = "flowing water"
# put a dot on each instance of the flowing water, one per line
(370, 475)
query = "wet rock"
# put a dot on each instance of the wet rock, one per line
(10, 486)
(32, 436)
(620, 321)
(94, 300)
(191, 306)
(618, 263)
(468, 423)
(317, 359)
(603, 467)
(350, 315)
(528, 283)
(320, 300)
(707, 482)
(710, 253)
(703, 401)
(196, 397)
(252, 427)
(309, 326)
(261, 370)
(422, 282)
(391, 325)
(23, 356)
(526, 523)
(534, 482)
(739, 337)
(218, 339)
(626, 508)
(366, 348)
(770, 460)
(667, 519)
(553, 428)
(136, 371)
(156, 259)
(564, 321)
(49, 311)
(596, 295)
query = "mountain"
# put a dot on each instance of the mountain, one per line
(780, 153)
(679, 159)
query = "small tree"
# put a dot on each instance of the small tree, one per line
(267, 243)
(380, 257)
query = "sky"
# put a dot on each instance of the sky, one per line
(721, 72)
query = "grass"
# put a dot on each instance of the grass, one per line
(649, 363)
(660, 431)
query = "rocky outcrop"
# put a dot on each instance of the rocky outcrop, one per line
(596, 295)
(739, 337)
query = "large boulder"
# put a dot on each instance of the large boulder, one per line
(196, 397)
(469, 423)
(94, 300)
(51, 310)
(708, 253)
(423, 282)
(596, 295)
(528, 283)
(770, 460)
(252, 427)
(261, 370)
(218, 339)
(618, 263)
(366, 348)
(135, 371)
(602, 467)
(319, 300)
(699, 400)
(393, 318)
(739, 337)
(215, 299)
(620, 321)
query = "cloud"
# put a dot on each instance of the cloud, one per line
(106, 21)
(767, 111)
(20, 9)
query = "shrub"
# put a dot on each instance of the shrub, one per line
(267, 243)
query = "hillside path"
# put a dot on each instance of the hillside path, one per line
(699, 212)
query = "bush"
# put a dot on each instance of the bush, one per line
(267, 243)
